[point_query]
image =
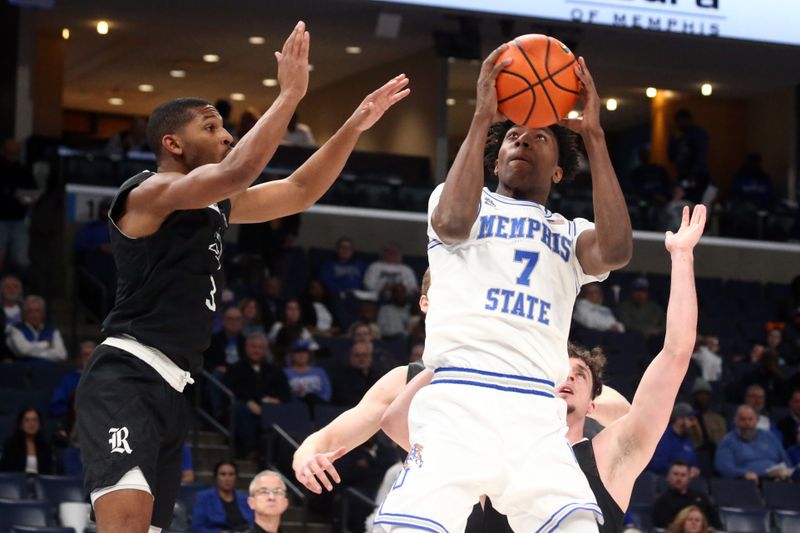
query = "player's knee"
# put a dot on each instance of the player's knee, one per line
(124, 511)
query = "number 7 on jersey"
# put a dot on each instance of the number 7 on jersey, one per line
(529, 259)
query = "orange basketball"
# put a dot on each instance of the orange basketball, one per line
(540, 86)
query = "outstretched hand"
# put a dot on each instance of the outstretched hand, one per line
(317, 469)
(690, 231)
(372, 108)
(293, 62)
(589, 120)
(486, 101)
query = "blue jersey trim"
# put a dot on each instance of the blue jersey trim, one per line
(494, 374)
(404, 524)
(512, 201)
(399, 517)
(575, 507)
(489, 386)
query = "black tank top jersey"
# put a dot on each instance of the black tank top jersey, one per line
(413, 369)
(494, 522)
(169, 283)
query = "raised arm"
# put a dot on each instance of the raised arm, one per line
(315, 456)
(395, 420)
(624, 448)
(458, 205)
(308, 183)
(610, 406)
(610, 245)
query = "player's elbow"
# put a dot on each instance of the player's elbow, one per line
(618, 256)
(451, 228)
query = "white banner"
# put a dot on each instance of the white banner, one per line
(753, 20)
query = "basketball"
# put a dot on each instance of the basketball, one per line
(540, 86)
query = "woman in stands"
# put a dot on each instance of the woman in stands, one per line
(690, 520)
(27, 450)
(222, 507)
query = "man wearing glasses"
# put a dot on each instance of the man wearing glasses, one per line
(268, 501)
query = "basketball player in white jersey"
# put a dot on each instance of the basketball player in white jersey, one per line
(506, 271)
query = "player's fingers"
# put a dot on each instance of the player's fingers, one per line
(399, 96)
(329, 469)
(668, 234)
(498, 68)
(289, 42)
(311, 482)
(490, 60)
(278, 56)
(685, 217)
(305, 45)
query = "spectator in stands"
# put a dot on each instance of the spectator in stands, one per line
(394, 315)
(679, 496)
(227, 346)
(756, 397)
(11, 294)
(416, 352)
(93, 246)
(792, 337)
(688, 150)
(748, 452)
(790, 424)
(708, 359)
(711, 426)
(591, 313)
(389, 270)
(221, 508)
(283, 334)
(33, 341)
(255, 381)
(63, 396)
(781, 349)
(744, 365)
(272, 305)
(133, 139)
(639, 313)
(752, 186)
(247, 120)
(368, 315)
(252, 319)
(298, 134)
(362, 332)
(768, 375)
(224, 108)
(676, 442)
(27, 450)
(268, 500)
(17, 194)
(351, 382)
(316, 313)
(187, 468)
(345, 273)
(793, 453)
(689, 520)
(791, 303)
(649, 181)
(309, 383)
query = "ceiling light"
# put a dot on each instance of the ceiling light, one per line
(177, 73)
(256, 39)
(352, 49)
(611, 104)
(65, 33)
(269, 82)
(237, 97)
(146, 88)
(651, 92)
(706, 89)
(116, 101)
(450, 101)
(573, 114)
(211, 58)
(102, 27)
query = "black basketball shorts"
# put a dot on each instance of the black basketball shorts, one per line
(128, 416)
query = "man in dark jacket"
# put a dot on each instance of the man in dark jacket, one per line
(679, 495)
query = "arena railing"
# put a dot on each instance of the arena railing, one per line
(278, 432)
(345, 497)
(229, 432)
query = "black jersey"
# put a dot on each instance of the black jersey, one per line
(169, 283)
(494, 522)
(413, 369)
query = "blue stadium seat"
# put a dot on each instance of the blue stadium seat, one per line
(324, 414)
(13, 400)
(644, 489)
(57, 489)
(699, 484)
(187, 493)
(293, 417)
(35, 529)
(735, 519)
(787, 521)
(739, 493)
(47, 377)
(23, 513)
(14, 376)
(13, 486)
(643, 514)
(336, 348)
(784, 496)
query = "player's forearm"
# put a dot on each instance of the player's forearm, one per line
(611, 218)
(461, 195)
(681, 333)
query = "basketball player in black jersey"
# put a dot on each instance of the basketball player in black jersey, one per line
(167, 231)
(617, 455)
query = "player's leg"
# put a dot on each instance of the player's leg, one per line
(124, 511)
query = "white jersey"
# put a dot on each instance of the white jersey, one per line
(501, 300)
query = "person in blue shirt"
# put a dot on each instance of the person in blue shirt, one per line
(343, 273)
(676, 442)
(752, 186)
(309, 383)
(222, 508)
(61, 400)
(748, 452)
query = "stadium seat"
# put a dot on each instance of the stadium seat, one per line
(14, 376)
(23, 513)
(644, 489)
(58, 489)
(180, 518)
(787, 521)
(293, 418)
(699, 484)
(35, 529)
(739, 493)
(12, 486)
(643, 514)
(785, 496)
(13, 400)
(47, 377)
(324, 414)
(737, 520)
(187, 493)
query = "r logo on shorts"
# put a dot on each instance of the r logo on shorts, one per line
(119, 440)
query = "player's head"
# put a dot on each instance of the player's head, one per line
(225, 473)
(423, 291)
(188, 130)
(268, 497)
(527, 161)
(585, 381)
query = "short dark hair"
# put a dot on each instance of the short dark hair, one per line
(168, 118)
(223, 463)
(568, 147)
(679, 462)
(596, 362)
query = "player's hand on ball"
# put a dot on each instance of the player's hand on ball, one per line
(589, 121)
(372, 108)
(690, 231)
(486, 101)
(317, 469)
(293, 62)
